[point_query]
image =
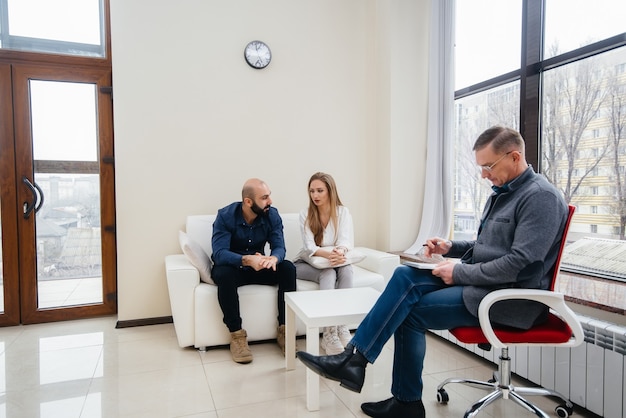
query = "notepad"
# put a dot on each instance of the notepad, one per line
(421, 266)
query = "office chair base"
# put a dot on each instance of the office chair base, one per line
(506, 392)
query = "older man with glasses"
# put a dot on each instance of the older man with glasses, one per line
(516, 247)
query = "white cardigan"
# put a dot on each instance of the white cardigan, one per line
(345, 232)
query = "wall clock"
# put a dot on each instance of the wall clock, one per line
(257, 54)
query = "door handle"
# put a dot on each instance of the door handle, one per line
(35, 190)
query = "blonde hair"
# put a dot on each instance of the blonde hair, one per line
(313, 215)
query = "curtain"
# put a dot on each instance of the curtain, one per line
(438, 192)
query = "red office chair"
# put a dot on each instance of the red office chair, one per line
(561, 330)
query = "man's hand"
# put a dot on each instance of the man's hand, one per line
(259, 261)
(268, 262)
(436, 245)
(444, 271)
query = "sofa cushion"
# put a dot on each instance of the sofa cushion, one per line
(200, 229)
(197, 257)
(291, 232)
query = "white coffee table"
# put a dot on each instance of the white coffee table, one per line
(322, 308)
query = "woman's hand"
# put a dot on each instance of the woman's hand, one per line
(337, 256)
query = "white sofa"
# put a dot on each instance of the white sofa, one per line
(196, 311)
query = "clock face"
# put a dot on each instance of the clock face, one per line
(257, 54)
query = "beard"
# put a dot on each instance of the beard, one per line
(259, 211)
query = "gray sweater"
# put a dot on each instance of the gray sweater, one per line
(517, 246)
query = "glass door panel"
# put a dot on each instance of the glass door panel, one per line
(69, 257)
(64, 135)
(64, 121)
(65, 193)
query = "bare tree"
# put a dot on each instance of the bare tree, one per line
(473, 186)
(503, 106)
(573, 95)
(497, 107)
(550, 147)
(616, 109)
(468, 177)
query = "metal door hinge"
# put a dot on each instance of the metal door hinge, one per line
(107, 90)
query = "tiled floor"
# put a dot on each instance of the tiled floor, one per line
(88, 368)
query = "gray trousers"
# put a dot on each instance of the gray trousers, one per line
(331, 278)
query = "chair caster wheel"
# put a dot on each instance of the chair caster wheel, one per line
(442, 396)
(563, 411)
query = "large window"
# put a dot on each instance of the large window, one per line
(566, 94)
(66, 27)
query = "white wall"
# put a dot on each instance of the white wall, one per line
(345, 93)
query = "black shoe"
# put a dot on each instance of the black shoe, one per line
(348, 368)
(393, 408)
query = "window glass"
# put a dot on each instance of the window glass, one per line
(487, 44)
(584, 121)
(71, 27)
(475, 113)
(64, 121)
(571, 24)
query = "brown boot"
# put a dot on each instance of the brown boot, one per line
(280, 337)
(239, 347)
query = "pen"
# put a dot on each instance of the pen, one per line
(436, 244)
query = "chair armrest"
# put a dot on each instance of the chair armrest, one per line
(553, 300)
(379, 262)
(182, 279)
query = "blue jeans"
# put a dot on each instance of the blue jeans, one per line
(413, 302)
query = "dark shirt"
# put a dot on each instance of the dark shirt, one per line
(233, 237)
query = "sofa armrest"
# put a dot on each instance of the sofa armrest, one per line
(182, 279)
(379, 262)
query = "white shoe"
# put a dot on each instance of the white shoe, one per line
(344, 334)
(330, 341)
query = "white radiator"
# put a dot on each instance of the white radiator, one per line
(592, 375)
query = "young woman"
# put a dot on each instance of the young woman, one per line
(327, 232)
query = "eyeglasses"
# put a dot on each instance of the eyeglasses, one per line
(489, 168)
